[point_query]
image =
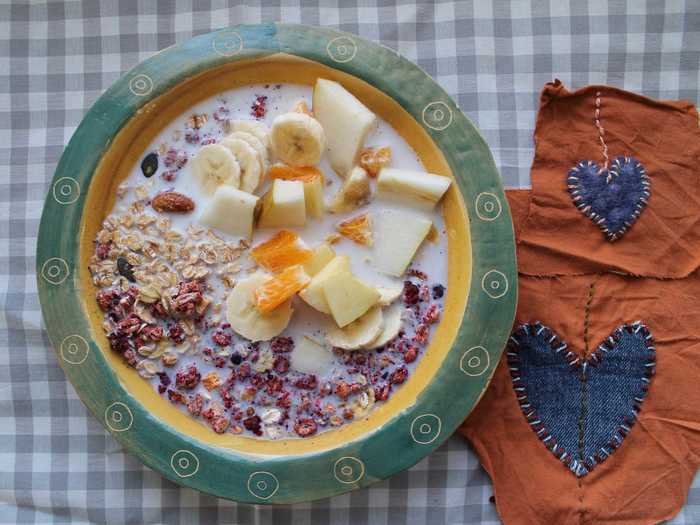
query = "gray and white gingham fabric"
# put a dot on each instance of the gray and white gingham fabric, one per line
(57, 464)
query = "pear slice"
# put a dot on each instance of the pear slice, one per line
(313, 196)
(421, 189)
(348, 297)
(389, 294)
(346, 123)
(391, 328)
(313, 293)
(320, 257)
(310, 357)
(283, 205)
(358, 333)
(397, 236)
(354, 192)
(230, 210)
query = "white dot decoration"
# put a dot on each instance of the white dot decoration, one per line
(227, 43)
(426, 428)
(342, 49)
(488, 206)
(66, 190)
(118, 417)
(55, 270)
(495, 284)
(141, 85)
(348, 469)
(437, 115)
(475, 361)
(74, 349)
(184, 463)
(263, 485)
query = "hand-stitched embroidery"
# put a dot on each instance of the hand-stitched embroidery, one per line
(556, 389)
(613, 198)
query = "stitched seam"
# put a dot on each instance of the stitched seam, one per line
(601, 132)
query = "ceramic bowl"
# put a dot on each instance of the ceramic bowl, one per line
(465, 348)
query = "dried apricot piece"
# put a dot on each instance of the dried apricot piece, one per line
(304, 174)
(374, 159)
(280, 288)
(357, 229)
(302, 107)
(280, 251)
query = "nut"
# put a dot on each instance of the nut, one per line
(172, 201)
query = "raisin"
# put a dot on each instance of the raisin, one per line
(149, 165)
(438, 291)
(125, 269)
(236, 358)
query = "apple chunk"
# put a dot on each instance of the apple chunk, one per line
(348, 297)
(284, 205)
(313, 195)
(419, 188)
(313, 293)
(230, 210)
(397, 236)
(320, 257)
(346, 122)
(354, 192)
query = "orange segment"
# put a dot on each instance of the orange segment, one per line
(280, 251)
(278, 289)
(304, 174)
(358, 229)
(374, 159)
(302, 107)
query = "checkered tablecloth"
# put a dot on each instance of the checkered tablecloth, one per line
(57, 464)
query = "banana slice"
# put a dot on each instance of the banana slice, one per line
(244, 317)
(257, 145)
(392, 327)
(297, 139)
(247, 157)
(214, 165)
(388, 294)
(358, 333)
(256, 128)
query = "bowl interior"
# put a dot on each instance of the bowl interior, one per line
(128, 147)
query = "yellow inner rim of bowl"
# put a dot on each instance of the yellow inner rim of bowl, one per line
(128, 148)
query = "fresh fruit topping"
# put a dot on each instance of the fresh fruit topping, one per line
(348, 297)
(214, 165)
(257, 145)
(297, 139)
(281, 251)
(302, 107)
(283, 205)
(172, 202)
(313, 294)
(357, 229)
(391, 328)
(389, 294)
(320, 257)
(310, 357)
(280, 288)
(358, 333)
(258, 129)
(419, 188)
(249, 161)
(232, 211)
(374, 159)
(149, 165)
(302, 173)
(354, 192)
(244, 317)
(346, 122)
(398, 235)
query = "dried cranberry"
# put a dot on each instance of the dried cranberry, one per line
(259, 107)
(432, 314)
(169, 175)
(307, 382)
(410, 293)
(424, 292)
(413, 272)
(348, 414)
(107, 298)
(421, 336)
(176, 333)
(158, 310)
(253, 424)
(195, 404)
(381, 393)
(153, 332)
(281, 364)
(176, 397)
(174, 159)
(192, 136)
(282, 345)
(130, 325)
(410, 355)
(103, 249)
(220, 424)
(222, 338)
(399, 375)
(342, 390)
(305, 427)
(226, 397)
(188, 297)
(438, 291)
(284, 401)
(130, 357)
(244, 371)
(188, 378)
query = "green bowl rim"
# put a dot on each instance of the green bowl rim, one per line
(411, 434)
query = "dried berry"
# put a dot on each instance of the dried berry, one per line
(253, 424)
(188, 378)
(282, 345)
(305, 427)
(172, 202)
(410, 293)
(399, 375)
(125, 269)
(222, 338)
(236, 358)
(195, 404)
(438, 291)
(149, 165)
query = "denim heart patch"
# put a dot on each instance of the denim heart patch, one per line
(581, 409)
(612, 198)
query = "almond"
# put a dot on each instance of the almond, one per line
(172, 201)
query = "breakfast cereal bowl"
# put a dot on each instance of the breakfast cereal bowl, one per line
(261, 326)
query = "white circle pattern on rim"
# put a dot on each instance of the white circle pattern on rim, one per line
(55, 270)
(341, 49)
(475, 361)
(488, 206)
(495, 284)
(348, 469)
(184, 463)
(426, 428)
(227, 43)
(141, 85)
(262, 484)
(437, 115)
(66, 190)
(74, 349)
(118, 417)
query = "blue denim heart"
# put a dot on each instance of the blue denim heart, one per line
(613, 198)
(581, 409)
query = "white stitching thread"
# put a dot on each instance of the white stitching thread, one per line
(601, 133)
